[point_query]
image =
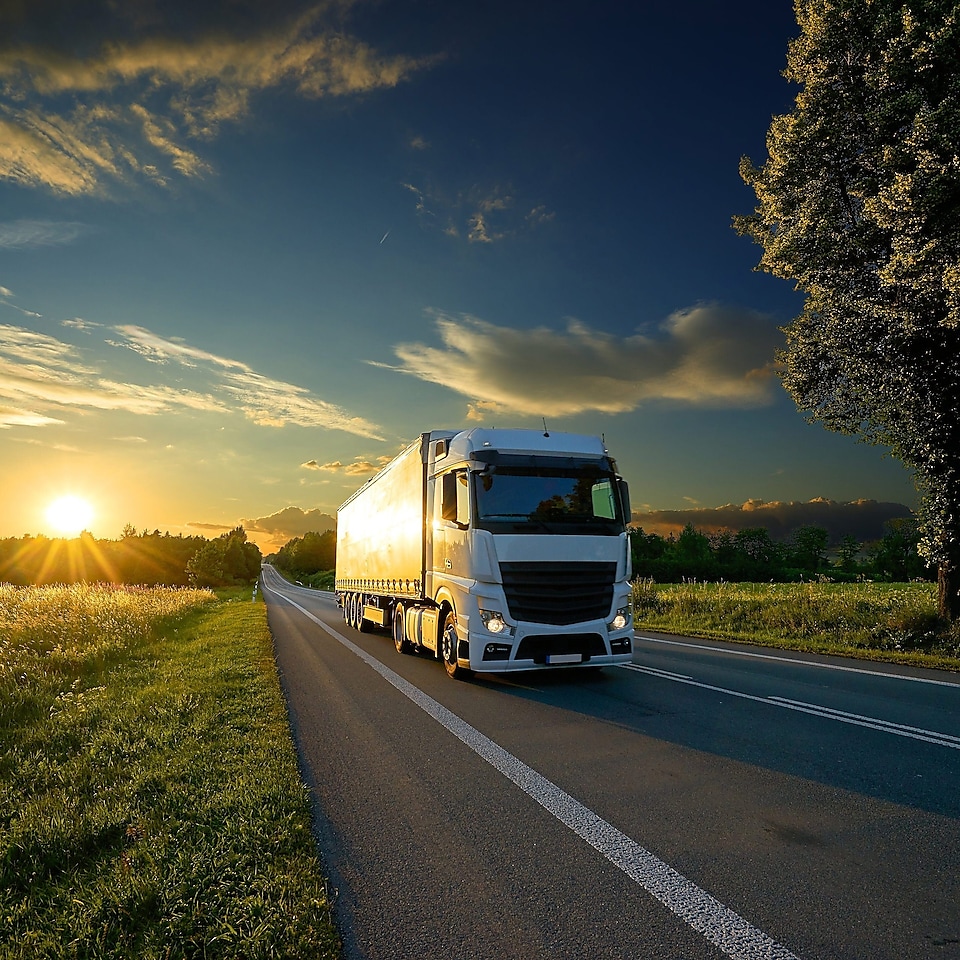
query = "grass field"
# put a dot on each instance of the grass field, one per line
(880, 621)
(150, 803)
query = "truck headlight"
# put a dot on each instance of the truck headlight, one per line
(620, 619)
(494, 622)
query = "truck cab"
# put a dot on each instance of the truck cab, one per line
(528, 550)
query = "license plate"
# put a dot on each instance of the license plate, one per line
(564, 658)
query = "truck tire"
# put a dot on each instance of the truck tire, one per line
(363, 625)
(448, 649)
(350, 611)
(356, 611)
(399, 629)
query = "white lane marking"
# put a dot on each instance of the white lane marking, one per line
(803, 663)
(885, 726)
(947, 739)
(710, 918)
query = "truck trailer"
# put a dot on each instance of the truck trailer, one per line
(493, 550)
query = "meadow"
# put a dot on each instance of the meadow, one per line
(150, 801)
(895, 622)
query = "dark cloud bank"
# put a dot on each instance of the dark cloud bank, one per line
(863, 519)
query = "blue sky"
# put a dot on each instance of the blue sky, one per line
(248, 251)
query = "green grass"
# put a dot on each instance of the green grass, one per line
(879, 621)
(150, 803)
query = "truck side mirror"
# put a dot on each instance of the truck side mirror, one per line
(455, 502)
(624, 489)
(448, 510)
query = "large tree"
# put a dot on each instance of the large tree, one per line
(859, 205)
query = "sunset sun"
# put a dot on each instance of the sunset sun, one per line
(69, 514)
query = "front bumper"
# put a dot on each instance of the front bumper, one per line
(537, 647)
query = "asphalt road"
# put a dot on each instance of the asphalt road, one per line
(708, 800)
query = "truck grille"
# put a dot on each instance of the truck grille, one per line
(558, 593)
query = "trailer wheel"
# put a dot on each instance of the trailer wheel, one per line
(448, 649)
(363, 624)
(355, 602)
(400, 640)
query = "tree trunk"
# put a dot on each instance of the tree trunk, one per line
(948, 590)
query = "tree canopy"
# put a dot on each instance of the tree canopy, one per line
(227, 561)
(859, 205)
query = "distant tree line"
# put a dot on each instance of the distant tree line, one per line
(749, 555)
(310, 559)
(151, 559)
(752, 556)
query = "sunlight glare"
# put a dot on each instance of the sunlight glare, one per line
(69, 514)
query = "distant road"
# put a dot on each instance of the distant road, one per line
(708, 800)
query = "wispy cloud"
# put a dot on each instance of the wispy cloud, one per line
(358, 468)
(18, 417)
(78, 323)
(26, 234)
(41, 377)
(39, 369)
(480, 214)
(708, 355)
(158, 349)
(6, 300)
(142, 107)
(263, 400)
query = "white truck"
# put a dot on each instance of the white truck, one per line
(495, 550)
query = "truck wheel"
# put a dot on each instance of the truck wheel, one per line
(400, 640)
(363, 625)
(448, 649)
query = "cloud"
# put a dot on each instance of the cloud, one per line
(136, 106)
(540, 214)
(358, 468)
(26, 234)
(708, 355)
(157, 349)
(42, 371)
(862, 519)
(217, 528)
(18, 417)
(35, 367)
(32, 354)
(291, 522)
(265, 401)
(275, 403)
(482, 215)
(6, 294)
(78, 323)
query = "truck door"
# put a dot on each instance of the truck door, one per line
(451, 532)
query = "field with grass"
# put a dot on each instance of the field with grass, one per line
(880, 621)
(150, 802)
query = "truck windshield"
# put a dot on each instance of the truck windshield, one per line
(537, 499)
